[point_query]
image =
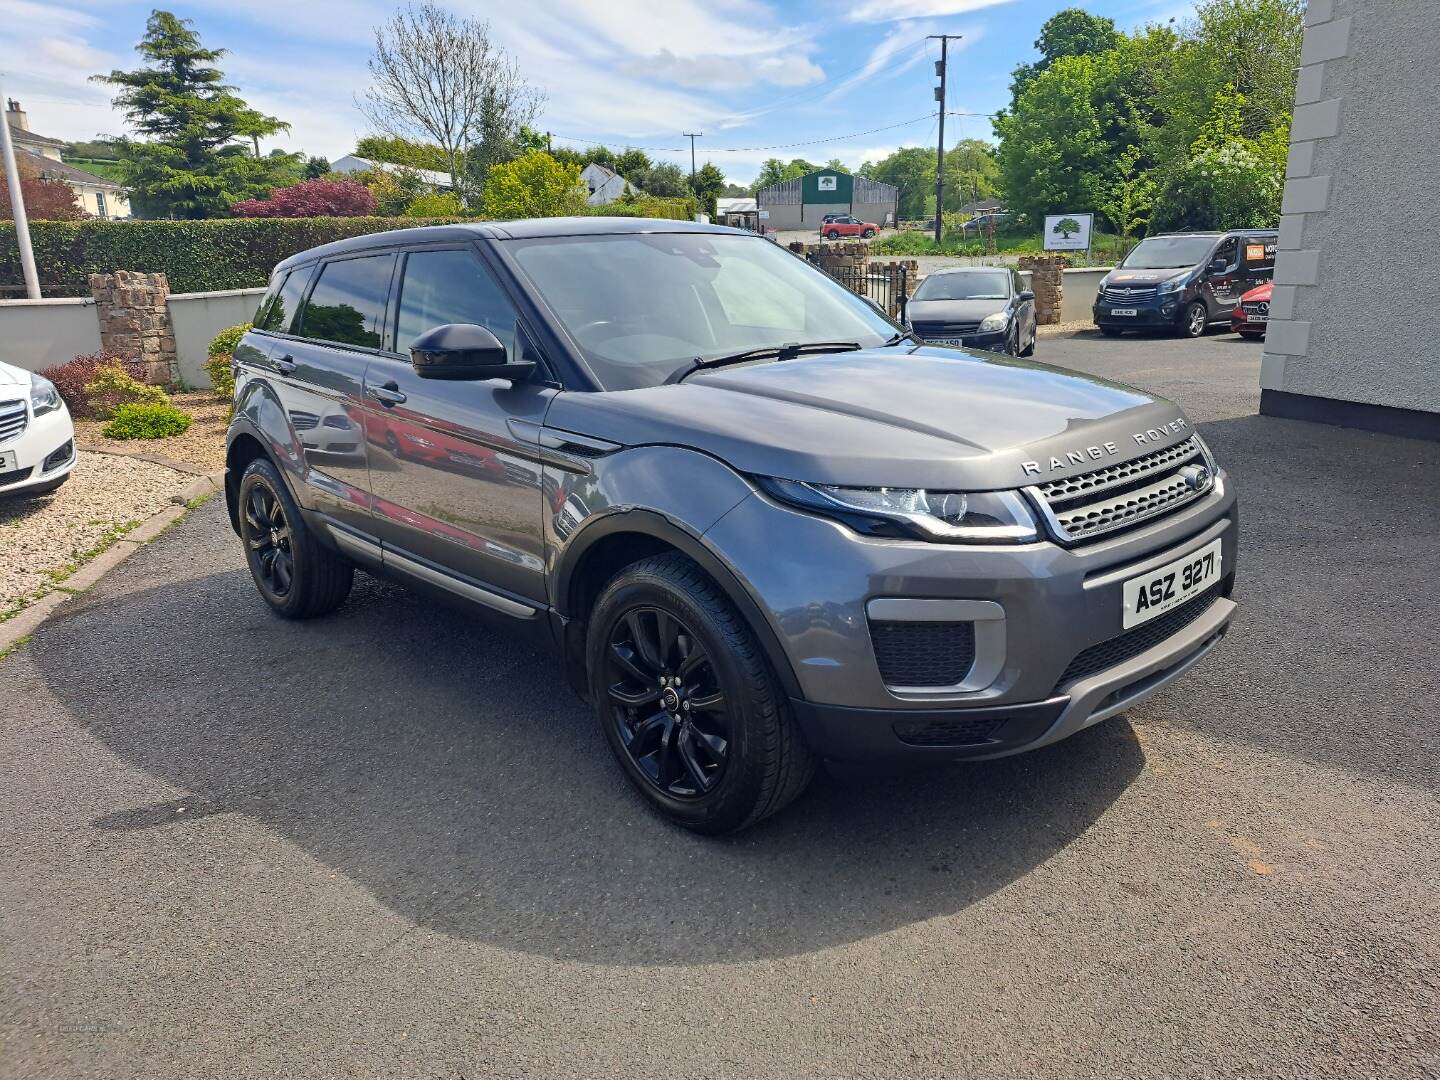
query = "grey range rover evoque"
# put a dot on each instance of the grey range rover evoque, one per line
(762, 525)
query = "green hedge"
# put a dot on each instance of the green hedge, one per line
(197, 256)
(205, 256)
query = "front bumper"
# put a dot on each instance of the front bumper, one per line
(1149, 314)
(997, 341)
(815, 579)
(41, 441)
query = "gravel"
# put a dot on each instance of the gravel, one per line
(42, 536)
(201, 448)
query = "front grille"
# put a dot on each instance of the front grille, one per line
(13, 419)
(1121, 496)
(944, 329)
(1132, 643)
(59, 457)
(923, 654)
(1121, 294)
(946, 732)
(1256, 307)
(303, 421)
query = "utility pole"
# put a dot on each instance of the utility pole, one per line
(17, 206)
(940, 70)
(692, 139)
(548, 148)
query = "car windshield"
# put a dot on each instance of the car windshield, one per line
(1168, 252)
(644, 306)
(976, 285)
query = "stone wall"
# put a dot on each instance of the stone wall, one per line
(135, 321)
(1047, 282)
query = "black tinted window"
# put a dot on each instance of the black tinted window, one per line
(347, 305)
(451, 287)
(277, 310)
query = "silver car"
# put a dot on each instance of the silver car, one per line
(761, 524)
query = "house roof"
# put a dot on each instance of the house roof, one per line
(354, 163)
(735, 206)
(23, 137)
(59, 170)
(983, 205)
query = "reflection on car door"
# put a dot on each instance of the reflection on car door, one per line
(455, 483)
(318, 372)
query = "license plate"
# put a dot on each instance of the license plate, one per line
(946, 341)
(1251, 316)
(8, 461)
(1166, 588)
(1123, 311)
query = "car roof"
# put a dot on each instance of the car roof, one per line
(1215, 233)
(968, 269)
(526, 229)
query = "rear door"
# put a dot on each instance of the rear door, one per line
(1257, 260)
(454, 465)
(320, 374)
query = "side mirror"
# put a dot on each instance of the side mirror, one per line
(1026, 295)
(1219, 266)
(464, 351)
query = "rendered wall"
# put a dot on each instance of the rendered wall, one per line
(36, 334)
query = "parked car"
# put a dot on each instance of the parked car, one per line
(983, 223)
(975, 307)
(760, 524)
(834, 226)
(37, 438)
(1253, 312)
(1184, 282)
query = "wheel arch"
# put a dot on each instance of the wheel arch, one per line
(615, 541)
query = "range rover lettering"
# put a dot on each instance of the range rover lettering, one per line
(761, 524)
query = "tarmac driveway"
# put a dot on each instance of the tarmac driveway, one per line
(391, 843)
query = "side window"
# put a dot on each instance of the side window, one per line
(1229, 251)
(451, 286)
(347, 305)
(277, 309)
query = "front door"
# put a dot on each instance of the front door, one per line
(1222, 286)
(454, 482)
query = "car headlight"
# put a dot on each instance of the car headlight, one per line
(954, 517)
(1175, 284)
(44, 398)
(992, 323)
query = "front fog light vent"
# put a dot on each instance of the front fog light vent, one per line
(59, 457)
(923, 654)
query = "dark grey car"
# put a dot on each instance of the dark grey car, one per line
(981, 307)
(761, 524)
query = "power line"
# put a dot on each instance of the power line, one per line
(692, 136)
(745, 149)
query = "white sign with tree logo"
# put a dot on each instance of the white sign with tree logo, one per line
(1068, 232)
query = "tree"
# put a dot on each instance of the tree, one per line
(440, 78)
(45, 200)
(193, 164)
(971, 173)
(1130, 197)
(316, 167)
(707, 184)
(312, 198)
(837, 165)
(912, 170)
(664, 182)
(1072, 32)
(534, 185)
(634, 165)
(775, 171)
(393, 150)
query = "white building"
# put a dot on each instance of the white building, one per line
(440, 181)
(98, 197)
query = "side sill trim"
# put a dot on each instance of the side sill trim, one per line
(458, 586)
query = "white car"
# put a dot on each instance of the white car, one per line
(37, 439)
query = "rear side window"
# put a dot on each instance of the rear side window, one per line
(277, 310)
(451, 286)
(1260, 254)
(347, 305)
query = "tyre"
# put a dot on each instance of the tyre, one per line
(832, 235)
(1111, 331)
(297, 576)
(688, 702)
(1029, 350)
(868, 234)
(1193, 320)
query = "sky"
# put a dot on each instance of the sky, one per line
(755, 77)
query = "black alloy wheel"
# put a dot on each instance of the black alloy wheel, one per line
(297, 575)
(666, 703)
(270, 539)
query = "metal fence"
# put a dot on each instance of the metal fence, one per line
(887, 284)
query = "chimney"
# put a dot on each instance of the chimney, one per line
(16, 115)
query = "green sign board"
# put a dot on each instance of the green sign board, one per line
(827, 186)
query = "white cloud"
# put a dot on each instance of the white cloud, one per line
(889, 10)
(726, 72)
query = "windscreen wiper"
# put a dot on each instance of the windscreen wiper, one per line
(904, 335)
(780, 352)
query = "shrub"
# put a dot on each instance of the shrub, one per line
(311, 198)
(681, 209)
(112, 386)
(197, 256)
(223, 343)
(433, 204)
(72, 377)
(146, 422)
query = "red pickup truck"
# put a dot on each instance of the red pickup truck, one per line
(837, 225)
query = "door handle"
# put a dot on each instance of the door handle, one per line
(388, 395)
(284, 364)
